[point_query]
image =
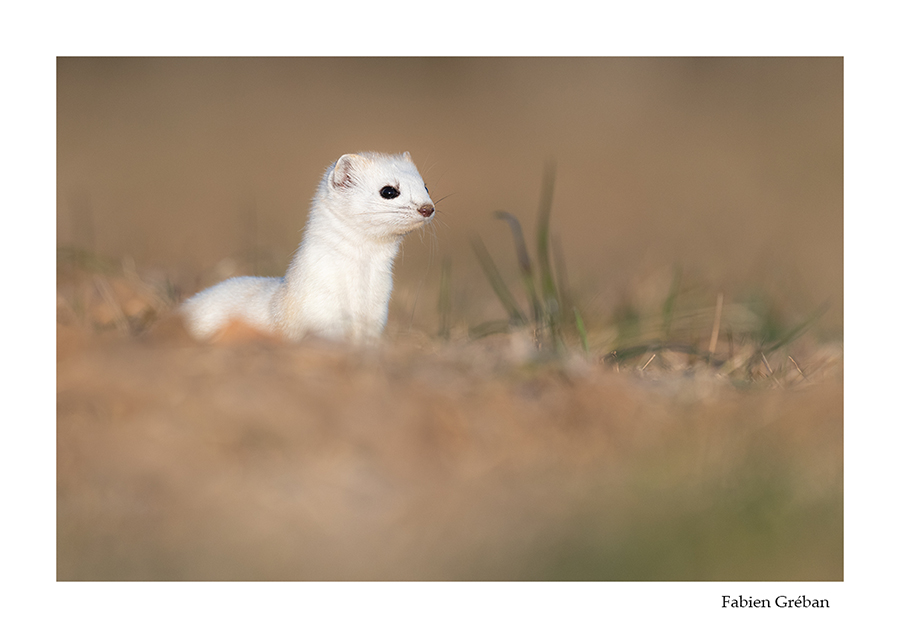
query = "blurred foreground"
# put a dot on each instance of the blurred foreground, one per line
(430, 459)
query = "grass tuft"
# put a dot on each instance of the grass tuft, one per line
(549, 297)
(96, 294)
(681, 332)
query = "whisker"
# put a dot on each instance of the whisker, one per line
(441, 222)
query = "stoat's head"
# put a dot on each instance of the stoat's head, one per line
(383, 195)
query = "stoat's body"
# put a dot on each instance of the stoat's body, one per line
(339, 283)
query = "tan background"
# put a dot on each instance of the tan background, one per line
(729, 168)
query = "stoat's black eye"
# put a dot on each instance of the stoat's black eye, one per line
(389, 192)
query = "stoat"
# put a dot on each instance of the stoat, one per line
(339, 282)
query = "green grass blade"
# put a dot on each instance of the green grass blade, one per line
(444, 300)
(797, 330)
(493, 275)
(668, 309)
(524, 262)
(548, 288)
(562, 280)
(579, 324)
(489, 328)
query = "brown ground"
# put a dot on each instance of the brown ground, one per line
(454, 459)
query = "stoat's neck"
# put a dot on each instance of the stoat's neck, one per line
(339, 282)
(332, 245)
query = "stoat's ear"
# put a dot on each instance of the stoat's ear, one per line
(342, 174)
(407, 156)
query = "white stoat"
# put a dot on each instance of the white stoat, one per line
(339, 282)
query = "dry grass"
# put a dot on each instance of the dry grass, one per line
(434, 458)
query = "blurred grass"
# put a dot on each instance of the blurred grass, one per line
(97, 294)
(542, 471)
(444, 301)
(748, 533)
(684, 333)
(548, 303)
(267, 462)
(460, 462)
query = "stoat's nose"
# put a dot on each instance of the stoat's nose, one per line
(426, 211)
